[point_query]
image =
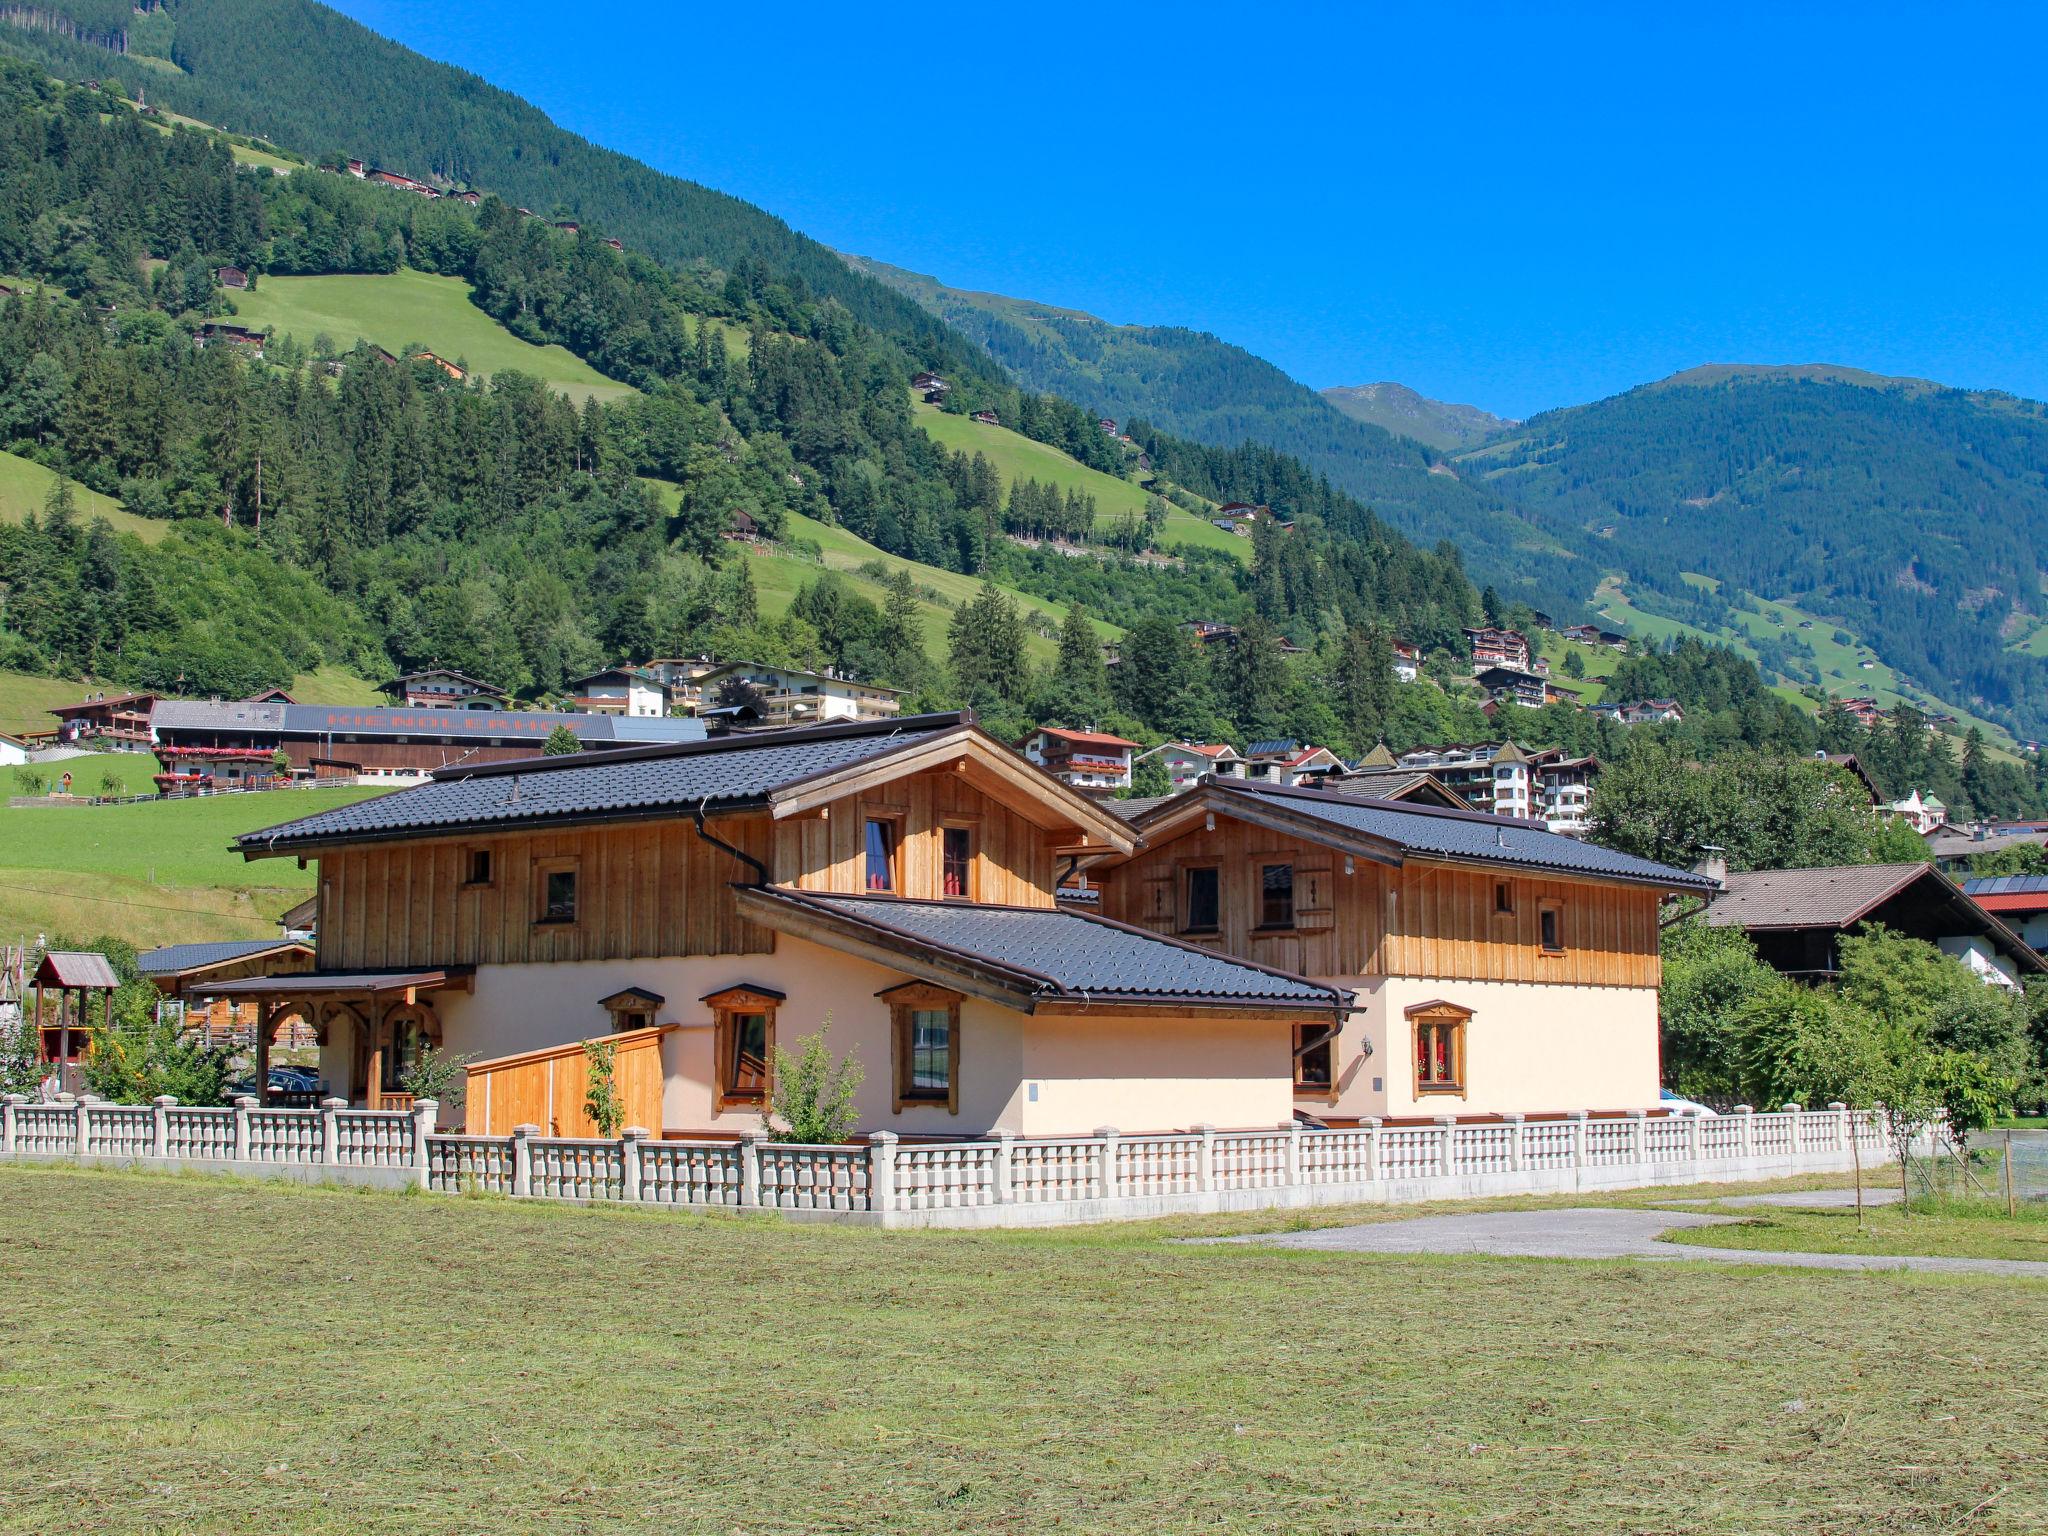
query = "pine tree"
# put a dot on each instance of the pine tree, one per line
(1077, 693)
(987, 650)
(1365, 683)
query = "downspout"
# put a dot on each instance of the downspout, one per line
(760, 870)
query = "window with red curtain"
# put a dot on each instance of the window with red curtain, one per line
(881, 854)
(957, 849)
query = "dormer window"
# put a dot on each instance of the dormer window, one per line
(879, 844)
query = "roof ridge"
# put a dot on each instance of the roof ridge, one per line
(746, 741)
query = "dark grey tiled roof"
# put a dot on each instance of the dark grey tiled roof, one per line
(602, 786)
(244, 718)
(1433, 832)
(185, 957)
(1071, 955)
(1131, 807)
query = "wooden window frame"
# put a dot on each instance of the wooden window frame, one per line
(1441, 1015)
(971, 825)
(726, 1007)
(470, 882)
(1503, 898)
(543, 871)
(1181, 903)
(895, 821)
(1308, 1090)
(1262, 926)
(905, 1002)
(1551, 910)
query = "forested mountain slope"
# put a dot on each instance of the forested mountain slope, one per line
(1915, 515)
(309, 77)
(1194, 386)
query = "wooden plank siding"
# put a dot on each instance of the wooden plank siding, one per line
(651, 888)
(1013, 861)
(1431, 920)
(547, 1087)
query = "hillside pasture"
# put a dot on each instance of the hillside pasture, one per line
(409, 308)
(1016, 457)
(25, 485)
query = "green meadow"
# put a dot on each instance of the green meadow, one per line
(408, 308)
(1016, 457)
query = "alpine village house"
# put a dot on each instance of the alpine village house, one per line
(1260, 950)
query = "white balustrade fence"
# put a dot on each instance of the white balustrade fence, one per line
(1003, 1180)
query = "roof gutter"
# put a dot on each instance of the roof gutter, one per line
(760, 870)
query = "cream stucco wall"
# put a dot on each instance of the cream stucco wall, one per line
(1531, 1047)
(1034, 1075)
(1154, 1074)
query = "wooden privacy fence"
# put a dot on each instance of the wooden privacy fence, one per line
(547, 1087)
(1005, 1180)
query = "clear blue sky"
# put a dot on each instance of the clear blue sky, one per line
(1516, 207)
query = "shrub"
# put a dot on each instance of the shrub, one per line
(442, 1076)
(813, 1093)
(601, 1099)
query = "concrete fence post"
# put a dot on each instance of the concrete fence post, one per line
(1841, 1124)
(1745, 1115)
(330, 1129)
(1292, 1127)
(1638, 1151)
(1205, 1158)
(243, 1104)
(629, 1162)
(882, 1171)
(1694, 1124)
(1447, 1145)
(1105, 1165)
(750, 1165)
(160, 1109)
(1517, 1140)
(425, 1112)
(8, 1106)
(1578, 1120)
(522, 1158)
(1006, 1166)
(1375, 1167)
(83, 1109)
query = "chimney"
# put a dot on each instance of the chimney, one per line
(1713, 863)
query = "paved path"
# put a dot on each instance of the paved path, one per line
(1805, 1199)
(1594, 1232)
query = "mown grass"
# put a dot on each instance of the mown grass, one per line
(207, 1355)
(173, 842)
(158, 872)
(25, 700)
(81, 907)
(1941, 1227)
(400, 309)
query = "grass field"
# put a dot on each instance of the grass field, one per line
(1947, 1228)
(152, 873)
(1017, 457)
(408, 308)
(25, 700)
(25, 485)
(238, 1356)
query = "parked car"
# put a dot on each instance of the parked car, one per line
(297, 1081)
(1676, 1104)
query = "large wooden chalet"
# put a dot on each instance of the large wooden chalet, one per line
(1259, 950)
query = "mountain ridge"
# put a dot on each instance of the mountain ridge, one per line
(1408, 412)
